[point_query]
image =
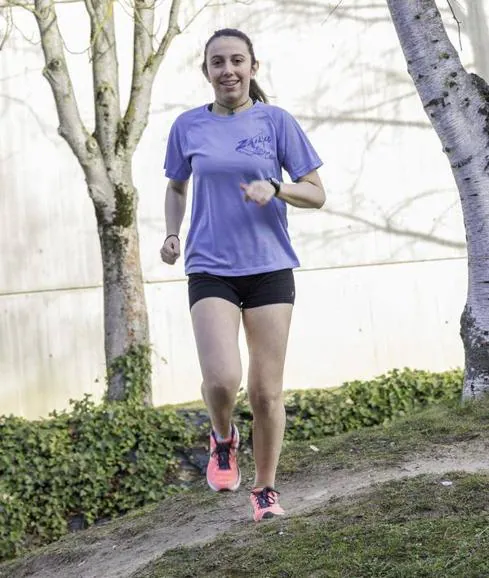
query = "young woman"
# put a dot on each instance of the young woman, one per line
(238, 255)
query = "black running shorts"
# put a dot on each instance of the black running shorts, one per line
(244, 291)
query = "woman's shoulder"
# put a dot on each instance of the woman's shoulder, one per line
(276, 112)
(188, 116)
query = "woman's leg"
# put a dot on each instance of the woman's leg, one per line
(267, 331)
(216, 324)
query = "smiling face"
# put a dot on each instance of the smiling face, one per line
(229, 69)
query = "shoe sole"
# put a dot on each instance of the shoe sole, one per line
(269, 516)
(231, 489)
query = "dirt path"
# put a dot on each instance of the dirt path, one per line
(120, 553)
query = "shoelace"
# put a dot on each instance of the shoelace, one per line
(266, 497)
(222, 452)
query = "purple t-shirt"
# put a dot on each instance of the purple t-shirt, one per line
(227, 235)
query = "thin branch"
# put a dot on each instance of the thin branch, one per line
(199, 12)
(343, 118)
(8, 29)
(389, 227)
(458, 23)
(172, 31)
(16, 4)
(21, 102)
(31, 5)
(332, 12)
(144, 16)
(136, 116)
(129, 10)
(105, 75)
(31, 8)
(146, 66)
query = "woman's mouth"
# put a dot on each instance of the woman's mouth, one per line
(229, 83)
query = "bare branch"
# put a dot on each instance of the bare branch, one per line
(332, 11)
(145, 68)
(144, 14)
(315, 121)
(31, 5)
(458, 23)
(57, 74)
(71, 126)
(389, 227)
(38, 118)
(105, 75)
(8, 28)
(199, 12)
(172, 31)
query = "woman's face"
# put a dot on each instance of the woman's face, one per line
(229, 69)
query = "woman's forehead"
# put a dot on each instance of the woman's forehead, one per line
(227, 45)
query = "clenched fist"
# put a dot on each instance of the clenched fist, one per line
(260, 192)
(170, 250)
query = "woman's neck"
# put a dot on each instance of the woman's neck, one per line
(225, 110)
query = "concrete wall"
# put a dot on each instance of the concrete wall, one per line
(383, 275)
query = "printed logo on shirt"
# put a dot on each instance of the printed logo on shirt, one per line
(259, 145)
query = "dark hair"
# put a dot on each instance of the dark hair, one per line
(256, 93)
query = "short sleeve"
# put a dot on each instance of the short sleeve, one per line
(295, 152)
(177, 163)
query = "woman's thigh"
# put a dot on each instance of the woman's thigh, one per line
(216, 328)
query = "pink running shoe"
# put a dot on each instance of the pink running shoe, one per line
(265, 504)
(222, 470)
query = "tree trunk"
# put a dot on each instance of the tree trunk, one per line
(457, 104)
(127, 349)
(105, 157)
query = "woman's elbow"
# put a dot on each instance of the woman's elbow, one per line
(321, 199)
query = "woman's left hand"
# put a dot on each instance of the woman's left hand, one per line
(260, 192)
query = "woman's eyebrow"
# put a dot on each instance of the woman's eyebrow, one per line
(232, 55)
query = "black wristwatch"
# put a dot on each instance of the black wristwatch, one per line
(275, 183)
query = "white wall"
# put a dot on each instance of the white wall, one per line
(383, 274)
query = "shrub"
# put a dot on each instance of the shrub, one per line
(98, 461)
(318, 413)
(13, 523)
(81, 466)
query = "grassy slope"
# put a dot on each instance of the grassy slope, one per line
(415, 527)
(412, 527)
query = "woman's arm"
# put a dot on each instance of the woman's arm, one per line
(307, 192)
(175, 204)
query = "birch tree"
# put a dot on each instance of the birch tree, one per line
(105, 155)
(457, 105)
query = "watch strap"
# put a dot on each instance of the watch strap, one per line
(275, 184)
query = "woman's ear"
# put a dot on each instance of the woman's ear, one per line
(254, 68)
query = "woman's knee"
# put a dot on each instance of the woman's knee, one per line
(222, 385)
(265, 400)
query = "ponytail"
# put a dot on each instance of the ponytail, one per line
(256, 92)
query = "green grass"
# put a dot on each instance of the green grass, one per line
(390, 444)
(415, 527)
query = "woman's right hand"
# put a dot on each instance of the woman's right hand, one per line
(170, 250)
